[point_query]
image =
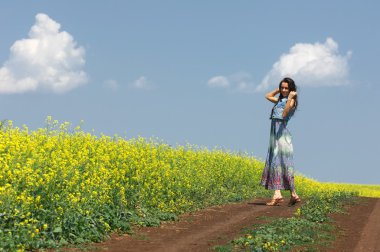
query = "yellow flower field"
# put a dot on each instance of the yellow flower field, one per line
(60, 185)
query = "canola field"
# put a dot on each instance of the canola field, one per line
(60, 185)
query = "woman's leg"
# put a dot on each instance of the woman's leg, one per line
(294, 194)
(294, 199)
(277, 198)
(277, 194)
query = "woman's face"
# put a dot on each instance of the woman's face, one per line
(284, 89)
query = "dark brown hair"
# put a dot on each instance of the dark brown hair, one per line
(292, 87)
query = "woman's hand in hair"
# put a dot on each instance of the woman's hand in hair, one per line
(292, 94)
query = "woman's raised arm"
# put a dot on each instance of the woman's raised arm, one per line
(271, 96)
(289, 104)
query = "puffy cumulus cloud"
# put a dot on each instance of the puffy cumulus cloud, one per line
(48, 59)
(143, 83)
(237, 82)
(310, 65)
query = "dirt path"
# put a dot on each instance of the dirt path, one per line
(198, 231)
(370, 236)
(358, 230)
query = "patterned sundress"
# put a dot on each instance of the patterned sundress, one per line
(278, 172)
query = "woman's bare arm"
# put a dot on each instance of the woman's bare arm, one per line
(271, 96)
(289, 104)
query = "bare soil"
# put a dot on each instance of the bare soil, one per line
(357, 230)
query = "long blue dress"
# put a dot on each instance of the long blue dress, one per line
(278, 172)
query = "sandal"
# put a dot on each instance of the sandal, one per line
(294, 201)
(274, 202)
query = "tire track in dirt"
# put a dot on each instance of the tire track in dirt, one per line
(370, 236)
(198, 231)
(357, 230)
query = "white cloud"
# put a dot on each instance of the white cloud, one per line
(143, 83)
(111, 84)
(48, 59)
(310, 65)
(242, 82)
(218, 81)
(237, 82)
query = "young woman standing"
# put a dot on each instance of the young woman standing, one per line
(278, 172)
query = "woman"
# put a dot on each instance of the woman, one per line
(278, 172)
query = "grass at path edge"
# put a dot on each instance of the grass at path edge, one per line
(308, 228)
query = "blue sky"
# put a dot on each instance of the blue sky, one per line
(197, 72)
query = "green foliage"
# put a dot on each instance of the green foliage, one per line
(309, 226)
(60, 185)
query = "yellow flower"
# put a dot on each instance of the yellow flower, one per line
(298, 212)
